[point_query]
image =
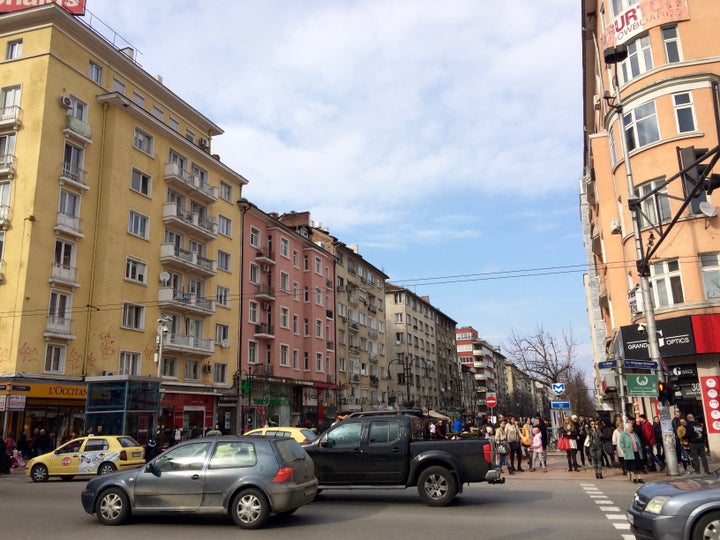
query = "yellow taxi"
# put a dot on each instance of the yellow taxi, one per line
(301, 435)
(87, 455)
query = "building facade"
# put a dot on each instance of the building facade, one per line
(115, 215)
(650, 93)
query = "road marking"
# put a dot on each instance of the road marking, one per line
(610, 511)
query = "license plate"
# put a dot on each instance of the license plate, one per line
(630, 518)
(137, 454)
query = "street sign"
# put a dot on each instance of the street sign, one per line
(559, 404)
(640, 364)
(491, 401)
(558, 388)
(610, 364)
(642, 385)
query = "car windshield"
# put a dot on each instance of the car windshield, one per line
(309, 435)
(127, 442)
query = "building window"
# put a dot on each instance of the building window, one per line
(13, 50)
(710, 266)
(59, 309)
(192, 370)
(306, 263)
(189, 135)
(138, 225)
(284, 317)
(285, 248)
(399, 318)
(69, 204)
(296, 325)
(306, 294)
(666, 283)
(226, 191)
(73, 158)
(641, 126)
(174, 124)
(223, 296)
(296, 291)
(169, 367)
(224, 226)
(306, 361)
(254, 274)
(133, 316)
(138, 100)
(253, 312)
(255, 237)
(222, 334)
(398, 298)
(143, 141)
(129, 363)
(639, 59)
(54, 358)
(220, 373)
(158, 113)
(284, 355)
(684, 112)
(318, 296)
(223, 260)
(296, 359)
(252, 353)
(318, 328)
(319, 363)
(650, 206)
(135, 270)
(306, 327)
(318, 265)
(64, 258)
(140, 182)
(78, 109)
(671, 40)
(118, 86)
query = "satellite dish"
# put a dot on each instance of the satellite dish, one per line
(707, 209)
(164, 278)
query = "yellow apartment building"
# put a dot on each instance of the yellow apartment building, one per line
(120, 236)
(651, 74)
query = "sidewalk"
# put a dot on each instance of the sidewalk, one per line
(557, 470)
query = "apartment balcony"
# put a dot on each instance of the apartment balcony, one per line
(176, 257)
(7, 165)
(265, 291)
(372, 333)
(4, 217)
(264, 331)
(70, 225)
(481, 389)
(188, 303)
(478, 364)
(59, 328)
(203, 226)
(264, 256)
(353, 326)
(330, 345)
(373, 358)
(188, 345)
(355, 351)
(73, 176)
(185, 180)
(480, 377)
(374, 381)
(78, 130)
(61, 274)
(10, 117)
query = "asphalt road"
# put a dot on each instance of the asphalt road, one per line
(528, 505)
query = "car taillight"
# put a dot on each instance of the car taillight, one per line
(284, 474)
(304, 441)
(487, 452)
(123, 455)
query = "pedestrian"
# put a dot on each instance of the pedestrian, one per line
(538, 452)
(513, 436)
(542, 425)
(619, 428)
(632, 452)
(215, 432)
(457, 426)
(526, 441)
(440, 430)
(659, 443)
(177, 436)
(502, 449)
(99, 430)
(593, 441)
(568, 431)
(579, 422)
(648, 438)
(684, 455)
(678, 445)
(194, 431)
(606, 432)
(696, 438)
(23, 446)
(5, 462)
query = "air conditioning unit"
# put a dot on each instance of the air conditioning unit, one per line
(107, 373)
(225, 343)
(4, 223)
(596, 102)
(203, 142)
(264, 267)
(207, 368)
(615, 226)
(66, 102)
(265, 306)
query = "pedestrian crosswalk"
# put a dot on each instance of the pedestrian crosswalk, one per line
(614, 514)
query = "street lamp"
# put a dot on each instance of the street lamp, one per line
(162, 330)
(406, 364)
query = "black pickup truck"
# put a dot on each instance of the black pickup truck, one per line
(386, 450)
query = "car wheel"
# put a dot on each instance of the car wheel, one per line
(67, 477)
(39, 473)
(106, 468)
(437, 486)
(250, 509)
(707, 526)
(112, 507)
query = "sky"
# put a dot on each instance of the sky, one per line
(443, 138)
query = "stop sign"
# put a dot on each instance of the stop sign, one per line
(491, 401)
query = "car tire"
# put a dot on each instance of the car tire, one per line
(250, 509)
(437, 486)
(106, 468)
(112, 507)
(67, 477)
(707, 526)
(39, 473)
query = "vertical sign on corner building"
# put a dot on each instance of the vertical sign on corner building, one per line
(710, 389)
(642, 16)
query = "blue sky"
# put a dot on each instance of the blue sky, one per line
(444, 138)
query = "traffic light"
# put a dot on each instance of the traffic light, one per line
(695, 172)
(673, 389)
(663, 396)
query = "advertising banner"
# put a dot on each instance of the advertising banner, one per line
(642, 385)
(675, 337)
(76, 7)
(710, 389)
(641, 17)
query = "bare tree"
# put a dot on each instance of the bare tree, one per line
(543, 357)
(578, 393)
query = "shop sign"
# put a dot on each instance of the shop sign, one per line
(710, 388)
(16, 402)
(642, 385)
(309, 397)
(675, 338)
(3, 401)
(76, 7)
(641, 17)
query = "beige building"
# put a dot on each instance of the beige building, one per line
(115, 216)
(651, 76)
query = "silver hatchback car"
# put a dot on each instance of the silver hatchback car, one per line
(246, 477)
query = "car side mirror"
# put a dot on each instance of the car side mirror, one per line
(325, 442)
(150, 468)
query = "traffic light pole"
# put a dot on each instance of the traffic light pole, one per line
(613, 56)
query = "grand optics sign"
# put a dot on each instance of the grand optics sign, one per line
(675, 337)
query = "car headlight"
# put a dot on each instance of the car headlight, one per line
(656, 504)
